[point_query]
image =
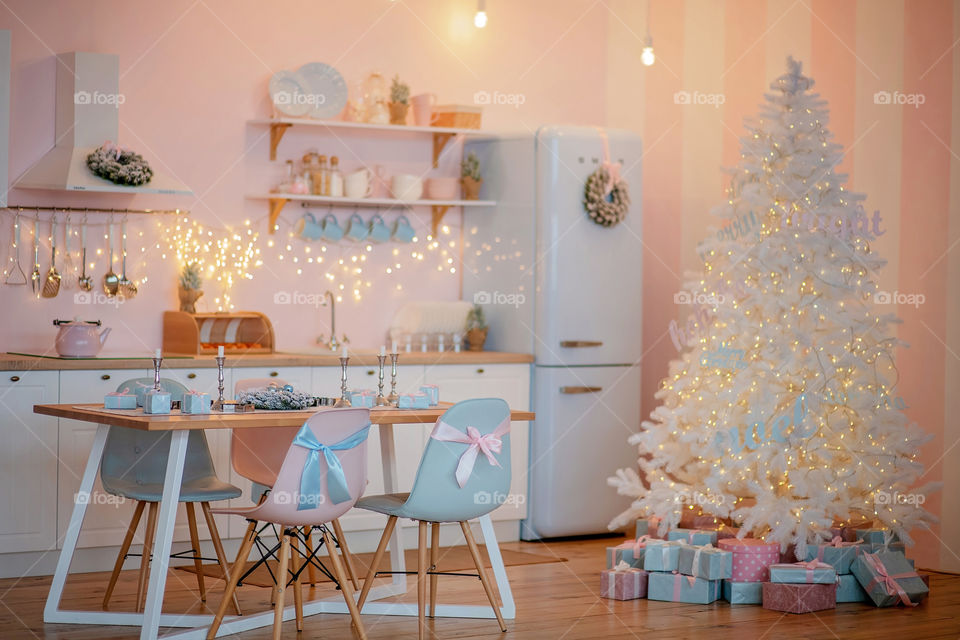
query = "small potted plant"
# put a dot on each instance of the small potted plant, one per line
(476, 328)
(470, 177)
(189, 289)
(399, 101)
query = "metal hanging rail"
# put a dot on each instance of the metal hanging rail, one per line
(28, 208)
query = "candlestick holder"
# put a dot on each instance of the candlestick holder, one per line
(218, 405)
(381, 401)
(156, 373)
(394, 397)
(344, 400)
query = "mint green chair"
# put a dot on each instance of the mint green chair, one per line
(446, 489)
(133, 467)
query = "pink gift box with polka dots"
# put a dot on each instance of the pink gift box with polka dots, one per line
(751, 558)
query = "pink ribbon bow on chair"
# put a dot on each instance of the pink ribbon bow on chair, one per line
(489, 444)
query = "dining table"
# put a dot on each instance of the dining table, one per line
(387, 419)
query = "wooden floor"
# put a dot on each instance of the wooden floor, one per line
(554, 601)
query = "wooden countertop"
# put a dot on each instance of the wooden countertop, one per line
(12, 362)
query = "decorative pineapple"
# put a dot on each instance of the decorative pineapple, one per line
(399, 101)
(470, 177)
(189, 290)
(476, 328)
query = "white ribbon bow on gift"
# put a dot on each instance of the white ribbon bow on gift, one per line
(489, 444)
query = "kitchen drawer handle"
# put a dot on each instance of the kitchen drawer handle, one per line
(274, 374)
(191, 376)
(480, 370)
(576, 344)
(570, 390)
(14, 378)
(105, 376)
(370, 372)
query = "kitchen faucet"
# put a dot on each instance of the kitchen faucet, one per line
(333, 344)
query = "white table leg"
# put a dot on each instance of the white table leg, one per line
(76, 519)
(388, 455)
(509, 609)
(165, 523)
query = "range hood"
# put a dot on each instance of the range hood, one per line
(88, 114)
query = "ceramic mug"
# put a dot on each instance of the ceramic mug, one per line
(358, 184)
(406, 187)
(378, 230)
(423, 114)
(332, 231)
(307, 227)
(356, 230)
(402, 231)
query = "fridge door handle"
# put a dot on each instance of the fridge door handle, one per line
(575, 344)
(572, 390)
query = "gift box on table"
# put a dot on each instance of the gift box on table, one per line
(661, 555)
(414, 401)
(812, 572)
(705, 562)
(674, 587)
(693, 536)
(876, 536)
(838, 554)
(647, 527)
(433, 393)
(156, 402)
(744, 592)
(889, 579)
(362, 398)
(623, 583)
(120, 400)
(751, 557)
(799, 598)
(849, 590)
(195, 402)
(630, 552)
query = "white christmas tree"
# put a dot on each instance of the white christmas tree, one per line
(782, 414)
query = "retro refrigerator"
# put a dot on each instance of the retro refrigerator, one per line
(555, 284)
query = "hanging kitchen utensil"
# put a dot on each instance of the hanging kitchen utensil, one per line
(128, 288)
(51, 286)
(111, 283)
(16, 275)
(69, 278)
(35, 277)
(86, 282)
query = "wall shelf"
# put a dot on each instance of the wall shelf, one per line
(441, 135)
(438, 207)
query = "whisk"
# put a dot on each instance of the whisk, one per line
(15, 275)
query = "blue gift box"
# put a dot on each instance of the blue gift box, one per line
(743, 592)
(156, 402)
(693, 536)
(661, 555)
(801, 573)
(362, 398)
(120, 401)
(647, 527)
(141, 392)
(876, 536)
(849, 590)
(840, 558)
(414, 401)
(195, 403)
(705, 562)
(674, 587)
(867, 569)
(625, 553)
(881, 546)
(433, 393)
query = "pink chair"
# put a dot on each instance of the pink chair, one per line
(308, 492)
(256, 454)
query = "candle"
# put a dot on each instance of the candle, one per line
(343, 354)
(393, 347)
(156, 354)
(383, 350)
(220, 351)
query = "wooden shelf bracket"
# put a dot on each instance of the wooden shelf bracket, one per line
(277, 129)
(438, 211)
(439, 142)
(276, 206)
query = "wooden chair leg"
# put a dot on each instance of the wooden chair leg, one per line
(311, 569)
(239, 565)
(422, 581)
(484, 580)
(218, 548)
(195, 543)
(297, 593)
(124, 548)
(281, 585)
(347, 556)
(434, 558)
(145, 557)
(377, 557)
(344, 586)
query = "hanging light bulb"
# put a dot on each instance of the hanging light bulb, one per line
(647, 57)
(480, 19)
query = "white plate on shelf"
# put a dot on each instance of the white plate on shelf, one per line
(326, 89)
(289, 94)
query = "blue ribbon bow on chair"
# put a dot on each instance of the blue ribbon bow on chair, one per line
(311, 493)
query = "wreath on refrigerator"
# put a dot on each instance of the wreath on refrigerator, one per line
(606, 197)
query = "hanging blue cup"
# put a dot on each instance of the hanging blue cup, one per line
(332, 231)
(356, 229)
(379, 232)
(402, 231)
(307, 227)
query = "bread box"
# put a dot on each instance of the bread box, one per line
(457, 115)
(202, 333)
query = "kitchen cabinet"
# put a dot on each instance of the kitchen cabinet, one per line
(28, 457)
